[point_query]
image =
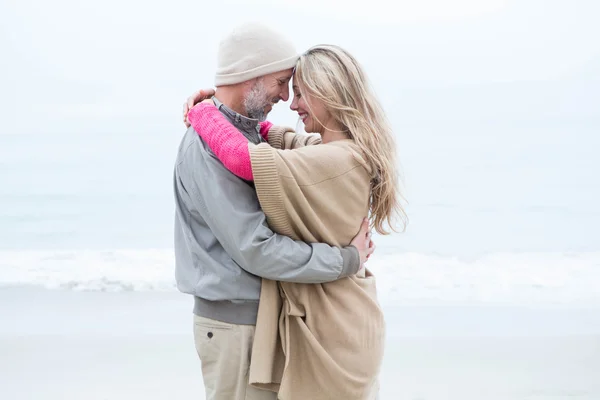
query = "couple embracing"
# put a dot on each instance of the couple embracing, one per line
(273, 227)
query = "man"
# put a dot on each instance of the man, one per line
(223, 245)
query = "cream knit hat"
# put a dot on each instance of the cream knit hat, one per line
(253, 50)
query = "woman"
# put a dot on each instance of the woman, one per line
(318, 341)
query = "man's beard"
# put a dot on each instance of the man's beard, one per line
(256, 100)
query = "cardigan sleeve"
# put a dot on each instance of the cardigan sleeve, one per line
(300, 182)
(226, 142)
(284, 138)
(265, 127)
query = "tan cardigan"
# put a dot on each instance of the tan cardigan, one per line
(315, 341)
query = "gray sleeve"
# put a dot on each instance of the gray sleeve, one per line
(232, 211)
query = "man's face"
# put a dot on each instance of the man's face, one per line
(266, 92)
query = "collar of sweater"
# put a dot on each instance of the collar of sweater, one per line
(243, 123)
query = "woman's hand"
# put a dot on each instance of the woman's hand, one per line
(206, 101)
(363, 243)
(194, 99)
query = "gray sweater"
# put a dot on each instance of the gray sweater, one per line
(223, 245)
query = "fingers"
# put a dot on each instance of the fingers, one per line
(200, 95)
(192, 99)
(362, 241)
(371, 247)
(370, 250)
(185, 113)
(364, 228)
(195, 98)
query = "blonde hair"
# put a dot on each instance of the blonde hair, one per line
(331, 75)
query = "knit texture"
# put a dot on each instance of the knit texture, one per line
(253, 50)
(231, 147)
(265, 127)
(317, 341)
(282, 137)
(227, 143)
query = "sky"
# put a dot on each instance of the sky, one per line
(126, 66)
(495, 106)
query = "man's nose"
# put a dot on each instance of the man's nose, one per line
(285, 94)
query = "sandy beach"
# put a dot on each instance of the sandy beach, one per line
(138, 345)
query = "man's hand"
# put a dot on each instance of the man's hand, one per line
(362, 241)
(194, 99)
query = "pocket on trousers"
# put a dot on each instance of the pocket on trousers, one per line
(216, 344)
(211, 338)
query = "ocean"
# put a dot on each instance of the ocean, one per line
(498, 213)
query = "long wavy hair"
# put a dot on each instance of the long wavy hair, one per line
(331, 75)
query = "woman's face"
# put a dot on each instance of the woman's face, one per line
(311, 111)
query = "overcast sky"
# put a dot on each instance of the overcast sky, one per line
(72, 66)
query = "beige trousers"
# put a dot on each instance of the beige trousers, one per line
(224, 350)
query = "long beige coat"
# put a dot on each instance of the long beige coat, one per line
(316, 341)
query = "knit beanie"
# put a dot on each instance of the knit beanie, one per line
(253, 50)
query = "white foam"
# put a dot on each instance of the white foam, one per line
(114, 270)
(502, 278)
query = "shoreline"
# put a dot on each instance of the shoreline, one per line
(123, 345)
